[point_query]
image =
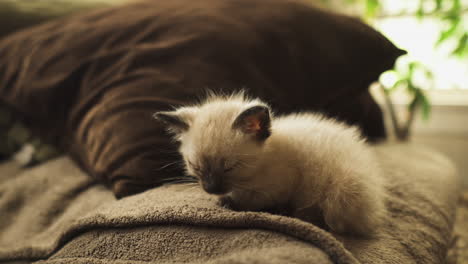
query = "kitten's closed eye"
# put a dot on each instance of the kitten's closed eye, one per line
(228, 169)
(232, 167)
(194, 167)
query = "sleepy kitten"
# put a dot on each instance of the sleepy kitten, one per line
(254, 161)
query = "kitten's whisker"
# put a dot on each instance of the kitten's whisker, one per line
(244, 154)
(179, 179)
(194, 186)
(180, 183)
(190, 184)
(177, 163)
(245, 164)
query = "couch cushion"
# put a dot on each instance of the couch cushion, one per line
(56, 211)
(90, 83)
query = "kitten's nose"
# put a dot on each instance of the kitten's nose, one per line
(213, 185)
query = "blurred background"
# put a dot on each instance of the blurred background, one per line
(426, 96)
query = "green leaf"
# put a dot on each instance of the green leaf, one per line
(449, 32)
(420, 11)
(418, 66)
(411, 67)
(411, 88)
(462, 45)
(429, 74)
(396, 85)
(420, 100)
(456, 6)
(438, 5)
(425, 105)
(414, 103)
(372, 7)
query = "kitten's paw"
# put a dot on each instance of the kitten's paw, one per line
(227, 202)
(242, 202)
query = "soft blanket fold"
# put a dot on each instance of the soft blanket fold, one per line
(58, 214)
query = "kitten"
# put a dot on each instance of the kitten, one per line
(254, 161)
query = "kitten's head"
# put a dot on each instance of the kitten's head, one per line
(221, 139)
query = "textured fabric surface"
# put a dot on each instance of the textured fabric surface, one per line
(89, 83)
(58, 214)
(458, 253)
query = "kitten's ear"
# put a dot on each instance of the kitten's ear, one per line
(176, 121)
(255, 121)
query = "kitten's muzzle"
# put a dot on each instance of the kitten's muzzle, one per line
(214, 185)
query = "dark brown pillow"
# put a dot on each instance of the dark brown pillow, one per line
(90, 83)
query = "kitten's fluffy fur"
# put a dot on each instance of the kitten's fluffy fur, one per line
(254, 161)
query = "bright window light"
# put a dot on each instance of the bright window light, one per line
(418, 37)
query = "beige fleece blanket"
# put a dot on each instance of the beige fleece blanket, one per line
(56, 214)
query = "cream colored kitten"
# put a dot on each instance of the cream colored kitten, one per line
(254, 161)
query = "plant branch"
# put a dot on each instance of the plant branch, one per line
(409, 123)
(392, 111)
